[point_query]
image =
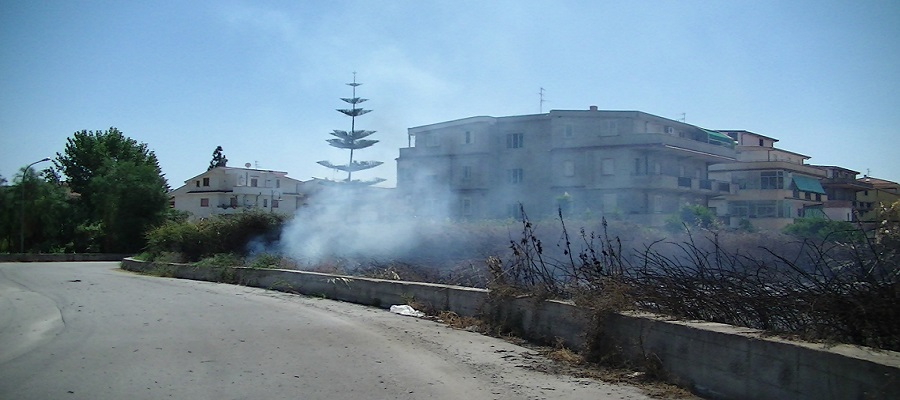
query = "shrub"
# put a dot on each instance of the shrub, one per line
(820, 229)
(269, 260)
(692, 216)
(823, 290)
(219, 234)
(221, 260)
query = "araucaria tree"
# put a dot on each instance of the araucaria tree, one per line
(218, 159)
(353, 140)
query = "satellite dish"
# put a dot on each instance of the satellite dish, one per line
(247, 165)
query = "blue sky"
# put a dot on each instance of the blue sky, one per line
(263, 78)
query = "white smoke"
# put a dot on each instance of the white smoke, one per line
(342, 221)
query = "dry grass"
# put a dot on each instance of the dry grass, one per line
(457, 321)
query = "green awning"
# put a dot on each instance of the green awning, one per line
(718, 138)
(807, 184)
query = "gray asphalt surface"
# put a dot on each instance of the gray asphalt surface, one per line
(92, 331)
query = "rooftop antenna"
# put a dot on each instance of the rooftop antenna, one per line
(683, 117)
(541, 94)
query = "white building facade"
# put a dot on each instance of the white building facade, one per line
(227, 190)
(587, 162)
(774, 186)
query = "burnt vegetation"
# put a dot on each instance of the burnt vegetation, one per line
(825, 290)
(837, 287)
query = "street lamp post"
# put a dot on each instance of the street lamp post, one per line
(24, 178)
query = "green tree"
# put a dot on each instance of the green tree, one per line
(218, 159)
(46, 223)
(121, 190)
(692, 215)
(820, 229)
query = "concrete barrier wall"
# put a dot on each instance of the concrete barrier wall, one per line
(61, 257)
(716, 360)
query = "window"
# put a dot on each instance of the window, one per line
(514, 176)
(278, 183)
(607, 166)
(569, 132)
(609, 128)
(467, 139)
(466, 172)
(569, 168)
(771, 180)
(432, 140)
(466, 205)
(197, 183)
(759, 209)
(514, 140)
(254, 182)
(233, 202)
(275, 203)
(760, 142)
(205, 181)
(609, 202)
(265, 203)
(514, 210)
(204, 202)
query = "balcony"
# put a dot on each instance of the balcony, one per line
(681, 184)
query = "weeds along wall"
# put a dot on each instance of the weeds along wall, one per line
(716, 360)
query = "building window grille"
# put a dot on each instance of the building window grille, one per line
(771, 180)
(608, 166)
(204, 202)
(569, 168)
(515, 140)
(514, 211)
(515, 175)
(205, 181)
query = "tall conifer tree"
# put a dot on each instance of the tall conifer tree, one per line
(353, 140)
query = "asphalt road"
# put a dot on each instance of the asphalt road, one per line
(93, 331)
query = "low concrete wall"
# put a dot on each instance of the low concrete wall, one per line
(61, 257)
(716, 360)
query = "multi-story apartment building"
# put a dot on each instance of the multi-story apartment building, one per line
(841, 187)
(774, 186)
(227, 190)
(881, 192)
(628, 163)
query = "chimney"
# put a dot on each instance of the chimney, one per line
(593, 108)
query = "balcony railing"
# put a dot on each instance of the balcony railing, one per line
(663, 182)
